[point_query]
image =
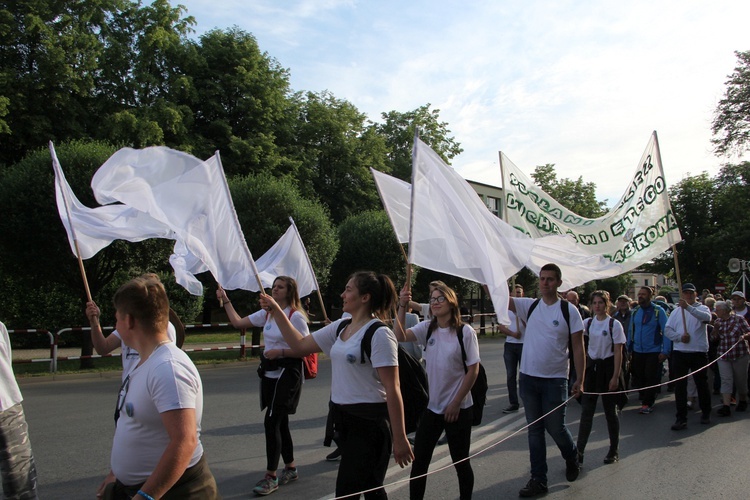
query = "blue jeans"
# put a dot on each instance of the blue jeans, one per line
(512, 357)
(540, 396)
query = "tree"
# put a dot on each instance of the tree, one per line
(577, 196)
(336, 150)
(367, 242)
(49, 52)
(731, 123)
(692, 202)
(398, 130)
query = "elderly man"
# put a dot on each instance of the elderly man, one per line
(157, 452)
(551, 325)
(687, 329)
(731, 329)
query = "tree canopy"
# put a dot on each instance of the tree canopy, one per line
(731, 123)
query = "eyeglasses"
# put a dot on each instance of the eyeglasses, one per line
(121, 399)
(437, 300)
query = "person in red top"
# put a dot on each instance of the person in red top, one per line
(731, 329)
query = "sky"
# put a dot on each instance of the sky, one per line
(580, 84)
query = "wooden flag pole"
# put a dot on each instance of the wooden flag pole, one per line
(679, 289)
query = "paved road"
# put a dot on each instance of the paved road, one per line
(71, 430)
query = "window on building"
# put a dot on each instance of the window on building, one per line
(493, 204)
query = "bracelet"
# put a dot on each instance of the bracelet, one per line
(227, 302)
(145, 495)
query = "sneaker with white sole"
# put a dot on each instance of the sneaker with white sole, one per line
(266, 486)
(288, 475)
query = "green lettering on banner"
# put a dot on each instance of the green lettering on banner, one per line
(645, 239)
(603, 236)
(587, 239)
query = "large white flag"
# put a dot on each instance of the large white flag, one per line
(396, 197)
(191, 197)
(639, 228)
(453, 232)
(96, 228)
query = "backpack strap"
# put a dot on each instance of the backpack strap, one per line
(460, 336)
(343, 324)
(563, 308)
(366, 344)
(531, 309)
(291, 311)
(611, 334)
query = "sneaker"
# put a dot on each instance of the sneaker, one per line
(741, 406)
(510, 409)
(733, 401)
(572, 469)
(724, 411)
(646, 409)
(679, 425)
(288, 475)
(532, 489)
(334, 456)
(612, 457)
(266, 486)
(690, 405)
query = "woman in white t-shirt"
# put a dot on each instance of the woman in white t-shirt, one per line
(281, 376)
(606, 340)
(367, 405)
(450, 380)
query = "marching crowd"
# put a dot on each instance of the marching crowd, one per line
(554, 349)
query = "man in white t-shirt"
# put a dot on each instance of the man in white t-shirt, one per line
(156, 451)
(544, 374)
(16, 459)
(512, 353)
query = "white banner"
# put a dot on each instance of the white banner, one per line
(639, 228)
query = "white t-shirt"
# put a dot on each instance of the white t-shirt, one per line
(167, 380)
(444, 363)
(272, 337)
(130, 356)
(10, 394)
(515, 326)
(353, 381)
(600, 345)
(545, 343)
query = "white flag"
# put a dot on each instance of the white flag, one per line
(453, 232)
(189, 196)
(96, 228)
(639, 228)
(396, 197)
(287, 257)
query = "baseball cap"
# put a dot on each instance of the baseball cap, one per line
(623, 297)
(688, 286)
(738, 294)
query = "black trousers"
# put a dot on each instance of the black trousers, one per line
(365, 446)
(430, 428)
(684, 362)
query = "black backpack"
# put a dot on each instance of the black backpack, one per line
(411, 374)
(480, 387)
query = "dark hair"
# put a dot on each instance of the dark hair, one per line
(144, 299)
(292, 293)
(604, 295)
(383, 296)
(648, 289)
(552, 267)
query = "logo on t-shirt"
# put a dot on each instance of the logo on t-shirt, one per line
(351, 358)
(431, 341)
(555, 323)
(268, 326)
